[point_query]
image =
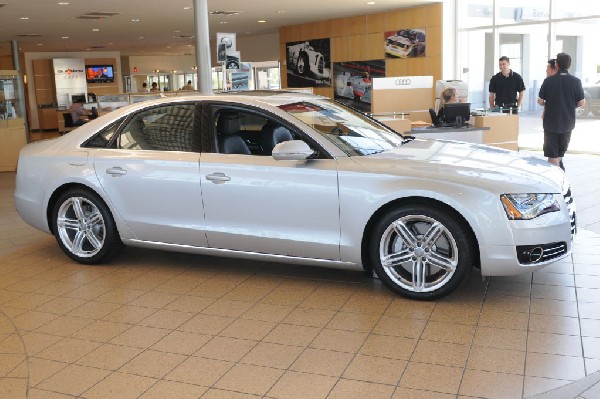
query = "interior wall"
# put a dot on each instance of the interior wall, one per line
(361, 38)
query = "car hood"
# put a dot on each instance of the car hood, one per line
(491, 168)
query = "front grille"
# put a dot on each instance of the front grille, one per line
(532, 254)
(568, 196)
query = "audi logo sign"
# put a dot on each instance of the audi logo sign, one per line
(403, 82)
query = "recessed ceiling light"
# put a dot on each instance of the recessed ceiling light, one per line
(24, 18)
(223, 22)
(40, 44)
(141, 38)
(281, 12)
(65, 37)
(187, 8)
(177, 31)
(95, 30)
(261, 21)
(370, 2)
(63, 3)
(135, 20)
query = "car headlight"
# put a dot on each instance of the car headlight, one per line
(528, 206)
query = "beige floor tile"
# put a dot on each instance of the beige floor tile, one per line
(389, 346)
(450, 313)
(73, 380)
(120, 296)
(289, 334)
(592, 366)
(324, 362)
(179, 285)
(294, 385)
(88, 291)
(61, 305)
(227, 308)
(64, 325)
(538, 385)
(326, 298)
(248, 292)
(129, 314)
(10, 362)
(58, 288)
(173, 390)
(361, 322)
(152, 299)
(339, 340)
(375, 369)
(267, 312)
(13, 388)
(206, 324)
(190, 304)
(246, 378)
(225, 348)
(496, 360)
(449, 332)
(123, 386)
(588, 295)
(491, 385)
(500, 338)
(587, 281)
(272, 355)
(499, 287)
(554, 324)
(400, 327)
(558, 344)
(36, 342)
(503, 319)
(503, 302)
(101, 331)
(223, 394)
(28, 285)
(589, 310)
(558, 279)
(94, 310)
(170, 319)
(370, 303)
(109, 356)
(590, 327)
(31, 320)
(153, 364)
(11, 343)
(554, 292)
(408, 393)
(68, 350)
(419, 376)
(199, 371)
(41, 369)
(309, 317)
(213, 288)
(442, 353)
(553, 307)
(350, 389)
(248, 329)
(42, 394)
(281, 296)
(182, 342)
(554, 366)
(140, 336)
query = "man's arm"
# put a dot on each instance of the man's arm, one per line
(541, 102)
(492, 96)
(580, 103)
(520, 99)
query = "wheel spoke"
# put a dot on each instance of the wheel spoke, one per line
(76, 203)
(442, 262)
(419, 274)
(67, 223)
(95, 241)
(396, 259)
(95, 219)
(77, 247)
(432, 235)
(407, 236)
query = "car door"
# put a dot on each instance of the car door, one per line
(152, 177)
(254, 203)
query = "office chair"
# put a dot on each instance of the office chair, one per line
(435, 121)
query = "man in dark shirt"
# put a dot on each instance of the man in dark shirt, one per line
(560, 95)
(505, 86)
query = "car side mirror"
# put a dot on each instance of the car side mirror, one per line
(292, 150)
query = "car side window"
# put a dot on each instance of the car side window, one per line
(249, 133)
(163, 128)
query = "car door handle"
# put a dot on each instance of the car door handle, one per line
(116, 171)
(218, 178)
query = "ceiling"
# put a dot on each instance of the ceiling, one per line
(158, 27)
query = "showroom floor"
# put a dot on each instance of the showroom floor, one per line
(163, 325)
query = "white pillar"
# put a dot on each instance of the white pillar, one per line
(202, 46)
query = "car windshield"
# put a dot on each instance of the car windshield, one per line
(350, 131)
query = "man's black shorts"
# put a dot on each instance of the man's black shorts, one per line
(556, 144)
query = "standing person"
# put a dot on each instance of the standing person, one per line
(551, 68)
(560, 95)
(506, 88)
(144, 88)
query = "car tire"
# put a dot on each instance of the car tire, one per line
(84, 227)
(302, 65)
(424, 239)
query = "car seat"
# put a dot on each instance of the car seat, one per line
(228, 128)
(271, 135)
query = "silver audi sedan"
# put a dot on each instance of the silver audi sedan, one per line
(295, 178)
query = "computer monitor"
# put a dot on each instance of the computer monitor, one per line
(457, 113)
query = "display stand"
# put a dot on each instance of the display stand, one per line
(12, 125)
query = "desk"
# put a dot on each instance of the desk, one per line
(468, 134)
(503, 129)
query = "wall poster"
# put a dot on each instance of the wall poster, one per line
(404, 43)
(353, 82)
(309, 63)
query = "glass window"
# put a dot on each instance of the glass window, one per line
(477, 64)
(164, 128)
(519, 11)
(574, 9)
(474, 13)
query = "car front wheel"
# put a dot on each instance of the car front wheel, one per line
(84, 227)
(420, 252)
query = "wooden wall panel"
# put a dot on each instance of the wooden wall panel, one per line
(374, 45)
(395, 20)
(416, 18)
(339, 49)
(349, 26)
(434, 47)
(357, 48)
(317, 30)
(435, 14)
(375, 22)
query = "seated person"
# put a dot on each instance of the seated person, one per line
(78, 113)
(448, 96)
(188, 86)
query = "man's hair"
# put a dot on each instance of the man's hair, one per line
(552, 63)
(563, 60)
(504, 58)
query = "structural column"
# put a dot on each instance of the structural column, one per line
(202, 46)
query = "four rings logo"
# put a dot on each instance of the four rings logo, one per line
(402, 82)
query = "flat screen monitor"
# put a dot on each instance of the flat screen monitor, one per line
(99, 74)
(78, 98)
(457, 113)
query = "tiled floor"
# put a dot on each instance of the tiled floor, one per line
(163, 325)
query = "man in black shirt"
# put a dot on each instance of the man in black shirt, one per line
(504, 87)
(560, 95)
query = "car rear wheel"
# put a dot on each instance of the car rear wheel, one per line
(84, 227)
(302, 65)
(420, 252)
